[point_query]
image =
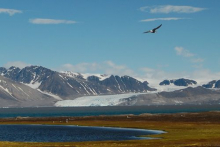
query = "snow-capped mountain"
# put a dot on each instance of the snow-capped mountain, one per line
(212, 84)
(69, 85)
(179, 82)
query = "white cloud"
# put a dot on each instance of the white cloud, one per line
(166, 19)
(51, 21)
(81, 67)
(112, 68)
(155, 76)
(19, 64)
(200, 75)
(171, 9)
(107, 67)
(183, 52)
(203, 76)
(9, 11)
(146, 69)
(197, 62)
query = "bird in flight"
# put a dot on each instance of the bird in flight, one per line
(153, 30)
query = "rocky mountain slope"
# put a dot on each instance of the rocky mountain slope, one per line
(15, 94)
(198, 95)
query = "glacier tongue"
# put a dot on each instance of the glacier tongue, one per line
(103, 100)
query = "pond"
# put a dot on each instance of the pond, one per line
(69, 133)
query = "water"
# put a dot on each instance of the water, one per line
(95, 111)
(55, 133)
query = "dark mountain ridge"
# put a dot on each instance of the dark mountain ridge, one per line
(179, 82)
(212, 84)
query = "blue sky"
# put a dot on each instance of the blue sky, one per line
(106, 36)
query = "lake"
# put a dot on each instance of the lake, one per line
(60, 133)
(108, 110)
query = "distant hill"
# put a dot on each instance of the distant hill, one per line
(197, 95)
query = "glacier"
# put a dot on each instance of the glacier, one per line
(101, 100)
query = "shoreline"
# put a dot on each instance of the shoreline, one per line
(183, 129)
(106, 110)
(210, 116)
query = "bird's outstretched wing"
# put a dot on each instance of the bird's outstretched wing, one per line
(157, 27)
(147, 32)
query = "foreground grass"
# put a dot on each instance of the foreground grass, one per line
(202, 129)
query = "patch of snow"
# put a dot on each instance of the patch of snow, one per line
(14, 86)
(23, 92)
(104, 100)
(69, 85)
(34, 75)
(178, 102)
(118, 84)
(85, 75)
(213, 86)
(169, 88)
(33, 84)
(7, 91)
(71, 74)
(36, 67)
(84, 88)
(77, 91)
(92, 90)
(50, 94)
(61, 77)
(100, 76)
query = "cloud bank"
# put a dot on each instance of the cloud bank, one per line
(9, 11)
(166, 19)
(183, 52)
(50, 21)
(193, 58)
(19, 64)
(153, 75)
(171, 9)
(107, 67)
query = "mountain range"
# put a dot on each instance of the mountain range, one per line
(39, 86)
